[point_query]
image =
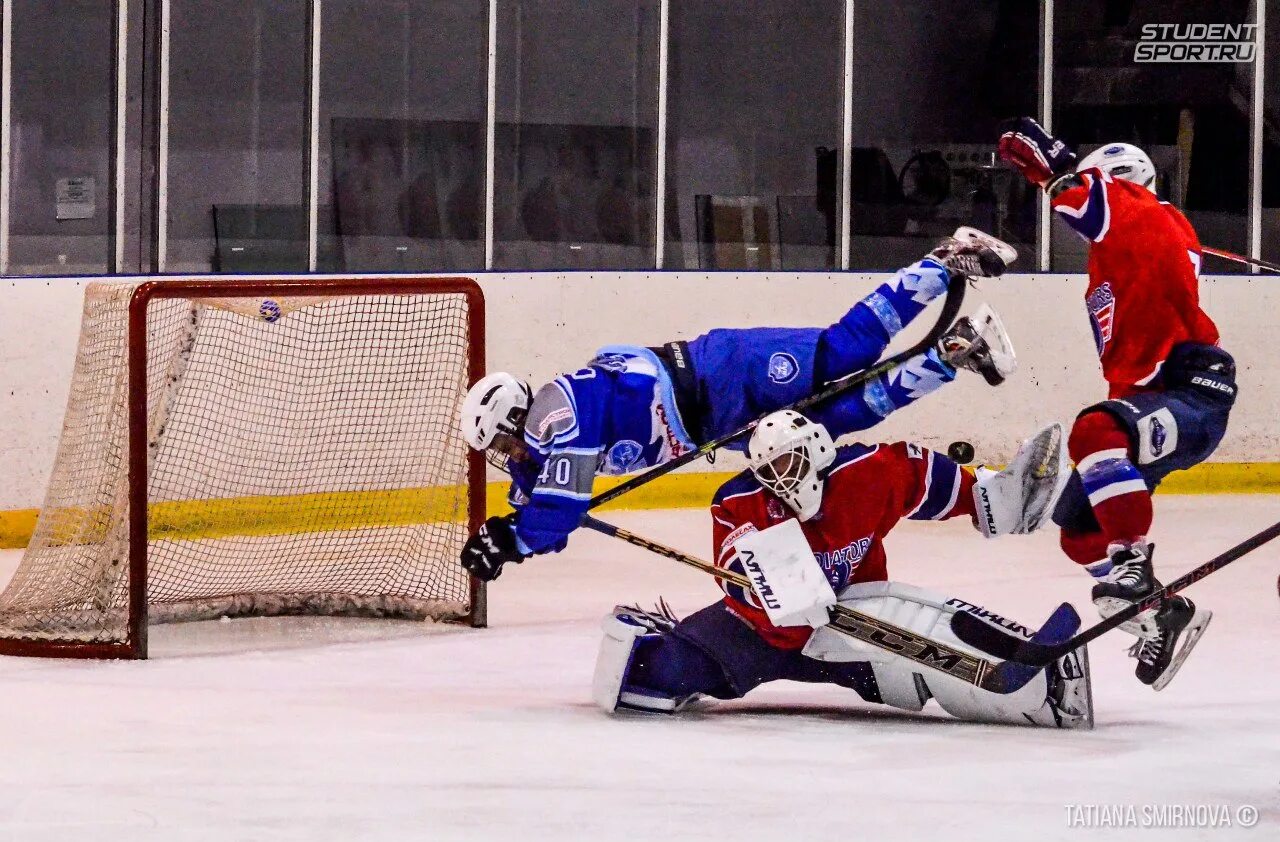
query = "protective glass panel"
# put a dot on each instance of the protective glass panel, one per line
(932, 82)
(238, 136)
(1123, 71)
(63, 117)
(754, 104)
(577, 114)
(1271, 140)
(402, 143)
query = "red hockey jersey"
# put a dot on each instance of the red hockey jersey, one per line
(1144, 266)
(869, 488)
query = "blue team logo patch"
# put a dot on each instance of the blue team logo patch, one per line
(1113, 150)
(1159, 436)
(783, 368)
(622, 457)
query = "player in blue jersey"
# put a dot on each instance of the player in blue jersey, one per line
(633, 407)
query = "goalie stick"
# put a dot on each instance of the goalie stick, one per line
(1038, 654)
(950, 309)
(1002, 677)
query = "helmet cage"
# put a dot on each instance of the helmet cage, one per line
(786, 472)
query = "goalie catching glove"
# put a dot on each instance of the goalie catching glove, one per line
(1020, 499)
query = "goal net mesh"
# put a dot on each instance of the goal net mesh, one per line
(303, 459)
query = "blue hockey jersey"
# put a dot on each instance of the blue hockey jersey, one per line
(619, 414)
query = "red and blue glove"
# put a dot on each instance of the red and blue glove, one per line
(1038, 155)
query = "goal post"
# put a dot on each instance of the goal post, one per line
(247, 447)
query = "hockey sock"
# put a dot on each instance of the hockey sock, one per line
(1087, 549)
(1117, 492)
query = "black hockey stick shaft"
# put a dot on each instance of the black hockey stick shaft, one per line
(1038, 655)
(950, 309)
(899, 641)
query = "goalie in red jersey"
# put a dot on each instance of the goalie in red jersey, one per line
(1170, 386)
(828, 509)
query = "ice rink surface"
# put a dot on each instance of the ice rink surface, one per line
(343, 730)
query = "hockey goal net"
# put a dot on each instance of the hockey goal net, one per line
(242, 447)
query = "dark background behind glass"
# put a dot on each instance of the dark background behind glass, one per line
(577, 112)
(754, 92)
(402, 145)
(754, 158)
(238, 135)
(63, 105)
(1192, 119)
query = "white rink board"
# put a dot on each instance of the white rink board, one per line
(543, 323)
(320, 730)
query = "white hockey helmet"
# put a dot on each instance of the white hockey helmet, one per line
(788, 452)
(1122, 160)
(495, 406)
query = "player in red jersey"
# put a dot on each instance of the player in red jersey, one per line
(846, 500)
(1171, 387)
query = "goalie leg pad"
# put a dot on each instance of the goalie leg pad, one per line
(647, 662)
(907, 685)
(624, 632)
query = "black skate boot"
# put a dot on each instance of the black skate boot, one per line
(1158, 630)
(979, 343)
(973, 254)
(1129, 580)
(1159, 656)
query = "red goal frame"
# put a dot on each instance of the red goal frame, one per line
(134, 646)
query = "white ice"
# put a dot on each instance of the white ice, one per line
(317, 730)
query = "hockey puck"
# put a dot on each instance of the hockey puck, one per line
(961, 452)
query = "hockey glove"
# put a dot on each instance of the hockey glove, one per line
(1035, 153)
(493, 545)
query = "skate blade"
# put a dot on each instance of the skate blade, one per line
(1192, 633)
(972, 235)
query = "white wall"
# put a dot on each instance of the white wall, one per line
(541, 324)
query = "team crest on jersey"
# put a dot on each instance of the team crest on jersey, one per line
(840, 564)
(622, 457)
(774, 509)
(783, 368)
(1102, 312)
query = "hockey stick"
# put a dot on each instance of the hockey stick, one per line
(950, 309)
(1039, 654)
(997, 678)
(1240, 258)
